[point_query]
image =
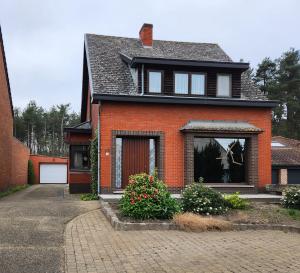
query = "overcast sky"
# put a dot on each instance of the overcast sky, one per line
(44, 39)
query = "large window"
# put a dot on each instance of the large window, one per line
(223, 85)
(189, 83)
(220, 160)
(155, 80)
(181, 83)
(79, 157)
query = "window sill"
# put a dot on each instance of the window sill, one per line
(79, 171)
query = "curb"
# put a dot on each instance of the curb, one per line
(117, 224)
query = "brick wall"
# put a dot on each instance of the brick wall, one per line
(6, 125)
(20, 157)
(38, 159)
(169, 119)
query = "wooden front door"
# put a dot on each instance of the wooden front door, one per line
(135, 157)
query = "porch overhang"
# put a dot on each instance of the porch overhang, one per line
(82, 128)
(220, 126)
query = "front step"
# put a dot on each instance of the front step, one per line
(232, 188)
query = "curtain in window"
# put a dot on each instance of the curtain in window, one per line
(198, 84)
(78, 159)
(155, 82)
(181, 83)
(223, 85)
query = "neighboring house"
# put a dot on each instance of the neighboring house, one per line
(285, 161)
(14, 155)
(153, 102)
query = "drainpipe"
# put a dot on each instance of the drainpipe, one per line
(99, 148)
(142, 80)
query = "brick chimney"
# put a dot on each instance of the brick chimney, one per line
(146, 35)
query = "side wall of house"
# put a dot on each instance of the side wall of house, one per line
(20, 157)
(6, 125)
(38, 159)
(169, 119)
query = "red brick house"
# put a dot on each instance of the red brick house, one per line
(14, 155)
(184, 108)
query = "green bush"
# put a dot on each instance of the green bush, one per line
(30, 175)
(236, 202)
(94, 165)
(199, 199)
(291, 198)
(147, 197)
(89, 197)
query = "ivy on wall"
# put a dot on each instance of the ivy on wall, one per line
(94, 164)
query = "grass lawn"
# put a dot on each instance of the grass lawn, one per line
(13, 190)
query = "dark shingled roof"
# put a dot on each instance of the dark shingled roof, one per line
(110, 75)
(288, 154)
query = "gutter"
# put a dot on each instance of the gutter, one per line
(99, 149)
(185, 100)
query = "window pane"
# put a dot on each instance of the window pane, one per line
(220, 160)
(118, 163)
(151, 156)
(181, 83)
(80, 157)
(155, 82)
(198, 84)
(224, 85)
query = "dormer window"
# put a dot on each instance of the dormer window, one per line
(181, 83)
(189, 83)
(198, 84)
(155, 81)
(223, 85)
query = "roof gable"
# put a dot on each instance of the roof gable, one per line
(6, 71)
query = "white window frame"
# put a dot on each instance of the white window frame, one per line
(230, 85)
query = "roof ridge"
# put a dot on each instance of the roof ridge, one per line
(158, 40)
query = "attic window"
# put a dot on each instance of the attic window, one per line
(223, 85)
(155, 81)
(181, 83)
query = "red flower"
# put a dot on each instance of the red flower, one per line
(151, 178)
(145, 196)
(132, 201)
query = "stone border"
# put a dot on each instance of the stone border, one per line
(117, 224)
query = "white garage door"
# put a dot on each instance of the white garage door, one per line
(53, 173)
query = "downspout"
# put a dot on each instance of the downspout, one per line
(142, 80)
(99, 148)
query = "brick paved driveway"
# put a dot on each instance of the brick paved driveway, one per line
(93, 246)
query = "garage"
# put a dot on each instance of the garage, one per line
(53, 173)
(293, 176)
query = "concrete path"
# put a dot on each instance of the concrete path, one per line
(92, 246)
(32, 226)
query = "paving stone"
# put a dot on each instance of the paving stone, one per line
(92, 245)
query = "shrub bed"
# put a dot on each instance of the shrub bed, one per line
(291, 198)
(199, 199)
(236, 202)
(147, 197)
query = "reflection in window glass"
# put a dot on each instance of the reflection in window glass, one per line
(118, 163)
(79, 157)
(219, 160)
(181, 83)
(151, 156)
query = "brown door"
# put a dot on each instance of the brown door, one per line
(135, 157)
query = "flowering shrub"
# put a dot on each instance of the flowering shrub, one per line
(199, 199)
(146, 197)
(291, 198)
(236, 202)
